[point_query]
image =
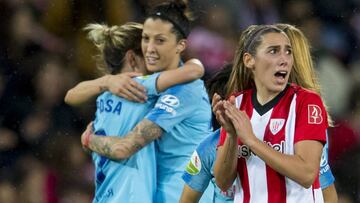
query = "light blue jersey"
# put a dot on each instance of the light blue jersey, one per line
(326, 177)
(198, 174)
(133, 179)
(184, 113)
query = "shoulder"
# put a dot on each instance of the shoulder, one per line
(305, 95)
(144, 78)
(192, 89)
(242, 93)
(209, 143)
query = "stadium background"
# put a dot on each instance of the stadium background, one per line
(44, 52)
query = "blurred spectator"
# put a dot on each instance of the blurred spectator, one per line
(43, 52)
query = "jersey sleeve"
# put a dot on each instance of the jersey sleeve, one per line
(196, 175)
(311, 121)
(198, 172)
(173, 106)
(149, 82)
(326, 177)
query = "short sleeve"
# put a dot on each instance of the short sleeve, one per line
(326, 177)
(196, 175)
(149, 82)
(198, 172)
(173, 106)
(311, 121)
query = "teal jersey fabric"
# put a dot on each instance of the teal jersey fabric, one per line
(184, 113)
(326, 177)
(133, 179)
(198, 174)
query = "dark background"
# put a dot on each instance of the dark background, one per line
(44, 52)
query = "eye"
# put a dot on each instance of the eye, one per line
(160, 40)
(145, 38)
(273, 51)
(289, 51)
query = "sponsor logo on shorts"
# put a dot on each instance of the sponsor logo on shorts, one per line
(194, 165)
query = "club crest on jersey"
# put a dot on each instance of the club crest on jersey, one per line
(276, 125)
(314, 114)
(194, 165)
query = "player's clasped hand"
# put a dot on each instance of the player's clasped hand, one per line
(240, 121)
(219, 111)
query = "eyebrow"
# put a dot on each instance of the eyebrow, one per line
(156, 35)
(278, 47)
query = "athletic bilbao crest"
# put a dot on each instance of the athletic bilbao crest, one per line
(194, 165)
(276, 125)
(314, 114)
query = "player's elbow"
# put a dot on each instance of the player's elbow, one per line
(199, 71)
(222, 183)
(308, 179)
(69, 99)
(120, 156)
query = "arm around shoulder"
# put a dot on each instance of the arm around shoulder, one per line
(85, 90)
(119, 148)
(192, 70)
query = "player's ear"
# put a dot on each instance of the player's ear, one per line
(181, 46)
(249, 60)
(130, 58)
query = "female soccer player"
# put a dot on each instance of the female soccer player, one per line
(196, 183)
(182, 114)
(271, 146)
(119, 46)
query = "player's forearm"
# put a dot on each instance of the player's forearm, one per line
(189, 195)
(192, 70)
(330, 194)
(113, 147)
(226, 162)
(119, 148)
(296, 167)
(86, 90)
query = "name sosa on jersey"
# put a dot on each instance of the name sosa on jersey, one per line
(108, 105)
(245, 152)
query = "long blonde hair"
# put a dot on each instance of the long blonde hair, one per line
(113, 43)
(303, 72)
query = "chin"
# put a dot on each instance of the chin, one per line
(152, 68)
(278, 88)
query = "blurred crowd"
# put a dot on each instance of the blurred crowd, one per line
(44, 52)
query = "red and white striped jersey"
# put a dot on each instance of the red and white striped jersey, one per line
(294, 115)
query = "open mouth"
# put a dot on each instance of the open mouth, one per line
(281, 74)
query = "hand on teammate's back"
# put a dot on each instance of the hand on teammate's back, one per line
(124, 86)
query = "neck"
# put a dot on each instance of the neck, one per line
(174, 64)
(264, 95)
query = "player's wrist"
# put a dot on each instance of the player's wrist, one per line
(251, 141)
(104, 85)
(87, 140)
